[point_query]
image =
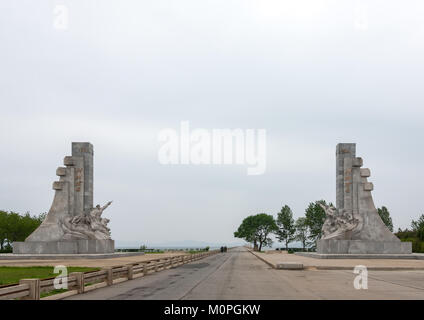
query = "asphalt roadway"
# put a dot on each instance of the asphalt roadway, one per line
(239, 275)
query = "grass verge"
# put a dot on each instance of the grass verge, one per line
(12, 275)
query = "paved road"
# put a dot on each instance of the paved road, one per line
(238, 274)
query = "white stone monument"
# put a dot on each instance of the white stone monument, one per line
(73, 225)
(355, 227)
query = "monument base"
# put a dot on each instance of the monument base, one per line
(64, 247)
(363, 247)
(411, 256)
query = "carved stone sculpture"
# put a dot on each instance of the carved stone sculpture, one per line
(339, 225)
(87, 226)
(355, 226)
(72, 224)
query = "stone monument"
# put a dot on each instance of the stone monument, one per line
(355, 226)
(73, 225)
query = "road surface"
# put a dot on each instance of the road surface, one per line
(238, 274)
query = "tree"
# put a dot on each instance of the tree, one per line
(247, 230)
(315, 217)
(302, 232)
(385, 216)
(286, 229)
(3, 229)
(418, 227)
(16, 227)
(256, 229)
(265, 226)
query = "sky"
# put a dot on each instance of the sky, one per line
(116, 73)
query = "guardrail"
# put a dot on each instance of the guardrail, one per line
(79, 282)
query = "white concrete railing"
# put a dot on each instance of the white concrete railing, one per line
(79, 282)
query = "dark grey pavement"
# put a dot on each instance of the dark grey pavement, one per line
(238, 274)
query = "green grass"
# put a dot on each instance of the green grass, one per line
(51, 293)
(12, 275)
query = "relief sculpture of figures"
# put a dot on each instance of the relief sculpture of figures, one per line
(339, 224)
(87, 226)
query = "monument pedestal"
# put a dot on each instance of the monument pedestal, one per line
(64, 247)
(363, 247)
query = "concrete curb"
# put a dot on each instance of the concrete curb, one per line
(412, 256)
(368, 268)
(262, 259)
(350, 268)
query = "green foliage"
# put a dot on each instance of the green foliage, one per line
(315, 217)
(411, 236)
(416, 235)
(16, 227)
(302, 232)
(247, 230)
(286, 229)
(418, 227)
(256, 229)
(404, 234)
(52, 293)
(385, 216)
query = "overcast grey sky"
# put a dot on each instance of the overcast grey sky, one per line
(312, 73)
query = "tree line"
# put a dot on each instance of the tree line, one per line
(17, 227)
(258, 229)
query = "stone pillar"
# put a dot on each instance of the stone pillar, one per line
(109, 276)
(356, 182)
(34, 288)
(130, 270)
(79, 280)
(85, 150)
(75, 175)
(348, 185)
(343, 150)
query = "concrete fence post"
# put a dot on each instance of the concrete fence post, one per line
(109, 276)
(145, 269)
(79, 277)
(34, 288)
(130, 271)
